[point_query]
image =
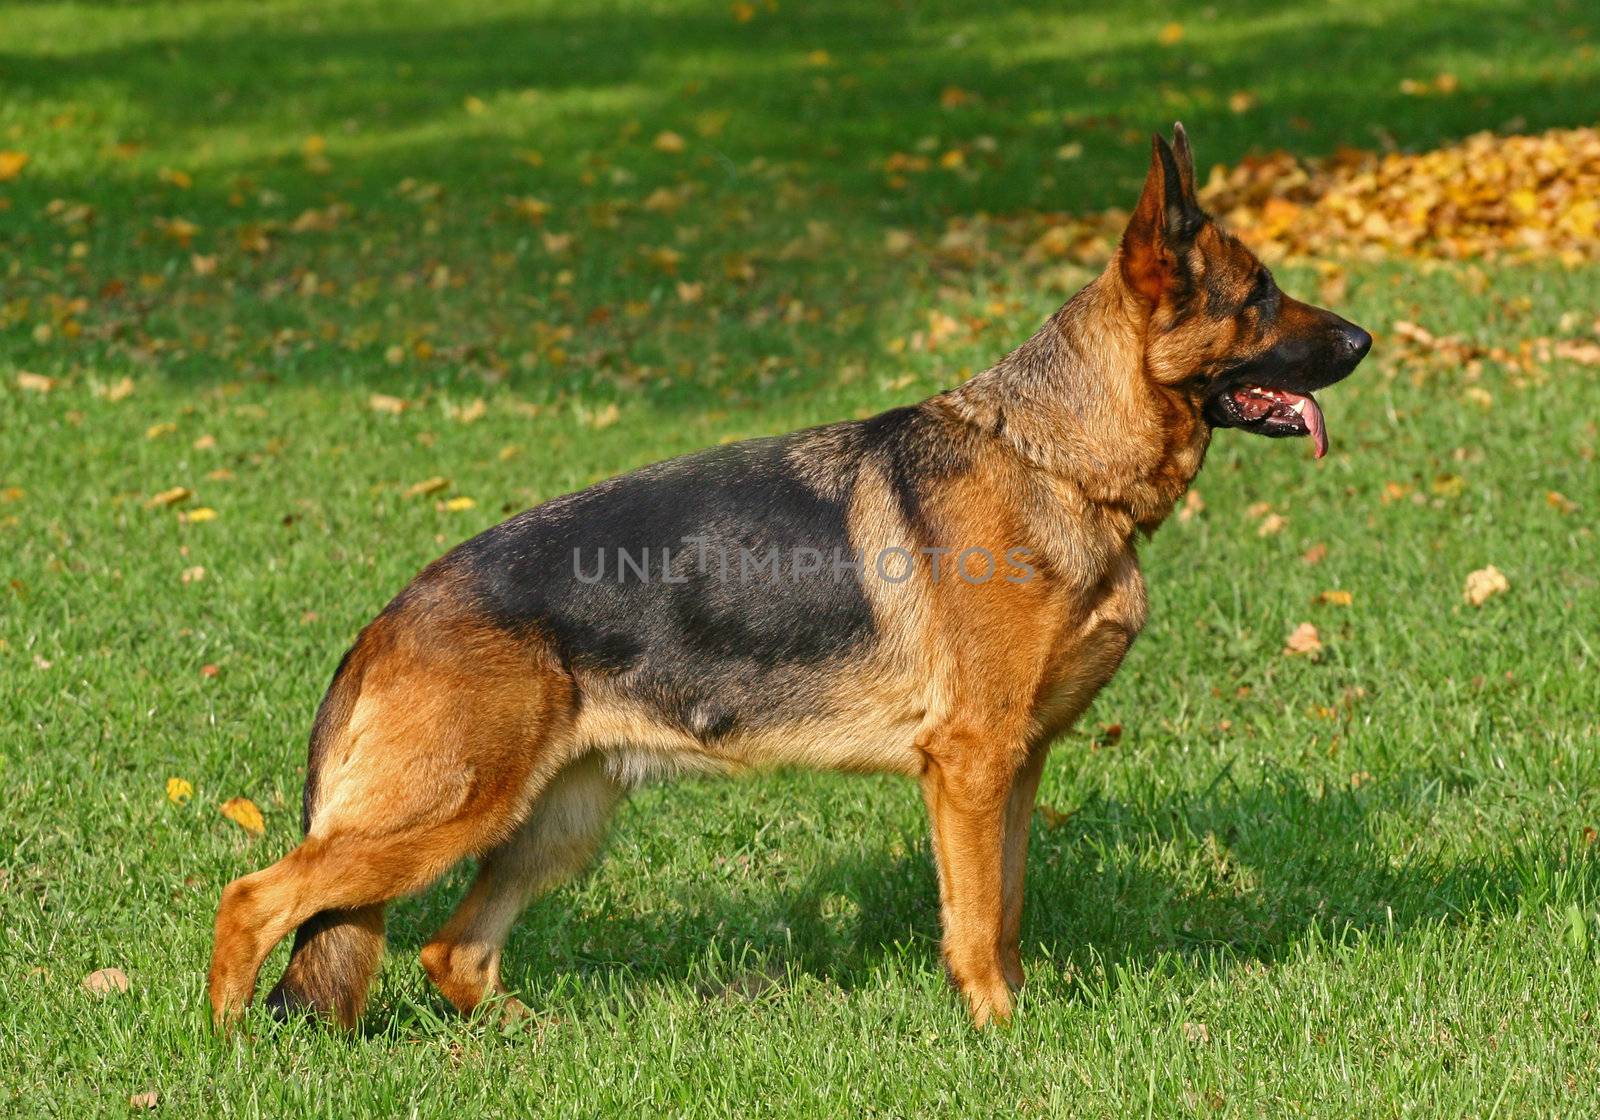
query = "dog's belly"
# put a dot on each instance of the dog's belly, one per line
(869, 728)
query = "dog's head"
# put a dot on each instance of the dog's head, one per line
(1219, 329)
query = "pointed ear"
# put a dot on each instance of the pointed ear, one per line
(1159, 229)
(1185, 158)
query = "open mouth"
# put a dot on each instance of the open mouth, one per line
(1281, 412)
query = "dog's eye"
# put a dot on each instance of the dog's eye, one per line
(1263, 292)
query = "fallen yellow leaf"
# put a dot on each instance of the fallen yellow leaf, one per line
(179, 791)
(1336, 598)
(180, 230)
(1171, 34)
(156, 431)
(383, 402)
(1484, 583)
(119, 390)
(197, 515)
(169, 497)
(668, 142)
(603, 418)
(11, 164)
(35, 382)
(243, 812)
(427, 486)
(458, 503)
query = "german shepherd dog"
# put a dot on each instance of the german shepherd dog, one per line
(938, 591)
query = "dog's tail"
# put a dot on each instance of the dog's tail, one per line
(336, 952)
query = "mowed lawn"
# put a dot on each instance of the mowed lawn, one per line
(364, 278)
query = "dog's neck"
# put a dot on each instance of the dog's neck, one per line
(1075, 401)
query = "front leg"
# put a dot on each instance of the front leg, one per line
(1019, 817)
(967, 783)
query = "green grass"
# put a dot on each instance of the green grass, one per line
(1352, 886)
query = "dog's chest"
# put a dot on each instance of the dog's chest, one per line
(1089, 648)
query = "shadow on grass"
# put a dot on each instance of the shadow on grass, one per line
(578, 86)
(1215, 878)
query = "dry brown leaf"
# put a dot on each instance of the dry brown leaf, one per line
(145, 1100)
(383, 402)
(35, 382)
(243, 812)
(1271, 525)
(193, 575)
(1560, 502)
(668, 142)
(105, 981)
(1052, 817)
(1314, 555)
(1303, 641)
(1483, 584)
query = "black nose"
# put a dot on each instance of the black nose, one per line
(1357, 341)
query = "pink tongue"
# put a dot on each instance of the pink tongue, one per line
(1319, 430)
(1312, 415)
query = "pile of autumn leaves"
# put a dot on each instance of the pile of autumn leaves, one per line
(1487, 197)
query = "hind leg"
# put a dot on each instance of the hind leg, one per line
(556, 842)
(440, 758)
(336, 955)
(336, 871)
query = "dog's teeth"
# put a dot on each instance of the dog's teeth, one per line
(1299, 407)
